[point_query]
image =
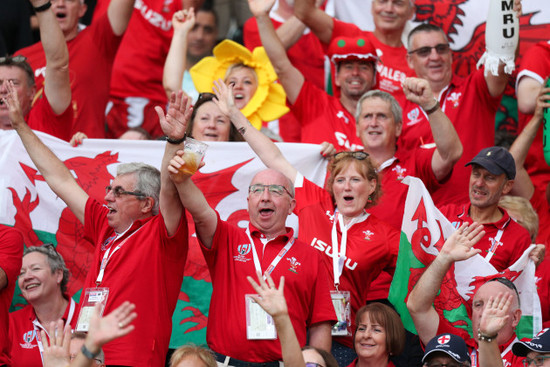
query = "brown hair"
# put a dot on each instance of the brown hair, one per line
(208, 97)
(388, 318)
(364, 167)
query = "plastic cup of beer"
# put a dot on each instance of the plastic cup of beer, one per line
(193, 154)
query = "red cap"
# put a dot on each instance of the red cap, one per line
(351, 48)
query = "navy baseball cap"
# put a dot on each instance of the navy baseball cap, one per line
(496, 160)
(540, 344)
(450, 344)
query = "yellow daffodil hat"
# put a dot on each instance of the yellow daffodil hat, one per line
(268, 102)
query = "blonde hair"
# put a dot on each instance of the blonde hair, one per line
(526, 216)
(188, 350)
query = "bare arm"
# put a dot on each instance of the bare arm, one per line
(523, 186)
(290, 31)
(3, 279)
(57, 84)
(459, 246)
(320, 23)
(494, 317)
(173, 124)
(176, 60)
(58, 177)
(193, 200)
(272, 300)
(320, 337)
(266, 150)
(290, 78)
(448, 146)
(119, 13)
(527, 93)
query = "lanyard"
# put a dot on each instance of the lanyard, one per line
(107, 256)
(339, 257)
(494, 245)
(275, 261)
(37, 327)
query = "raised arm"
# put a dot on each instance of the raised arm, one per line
(527, 92)
(459, 246)
(320, 23)
(58, 177)
(264, 148)
(290, 78)
(448, 146)
(493, 319)
(272, 300)
(57, 85)
(176, 61)
(119, 13)
(523, 186)
(193, 200)
(173, 124)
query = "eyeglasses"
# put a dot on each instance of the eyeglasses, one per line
(313, 364)
(357, 155)
(537, 361)
(395, 2)
(8, 60)
(118, 191)
(277, 190)
(441, 49)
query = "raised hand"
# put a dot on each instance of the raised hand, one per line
(174, 123)
(327, 149)
(495, 314)
(56, 348)
(543, 101)
(260, 7)
(459, 246)
(270, 298)
(224, 97)
(183, 20)
(115, 325)
(11, 99)
(419, 91)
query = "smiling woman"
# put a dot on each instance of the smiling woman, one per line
(43, 283)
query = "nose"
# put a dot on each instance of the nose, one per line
(266, 195)
(211, 124)
(109, 196)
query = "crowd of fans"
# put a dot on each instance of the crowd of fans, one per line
(147, 69)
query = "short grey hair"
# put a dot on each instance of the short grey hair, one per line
(147, 180)
(55, 260)
(396, 109)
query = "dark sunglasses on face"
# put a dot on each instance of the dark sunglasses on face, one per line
(118, 191)
(441, 49)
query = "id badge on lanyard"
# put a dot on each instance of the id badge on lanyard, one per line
(342, 307)
(259, 324)
(92, 296)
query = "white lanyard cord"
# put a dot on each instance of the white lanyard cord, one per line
(490, 254)
(108, 254)
(37, 327)
(275, 261)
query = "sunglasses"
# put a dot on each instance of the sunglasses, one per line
(12, 59)
(277, 190)
(118, 191)
(357, 155)
(313, 364)
(441, 49)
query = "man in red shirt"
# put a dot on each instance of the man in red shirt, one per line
(247, 337)
(11, 251)
(470, 103)
(92, 53)
(390, 18)
(323, 117)
(140, 238)
(50, 113)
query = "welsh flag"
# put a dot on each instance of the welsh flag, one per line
(423, 233)
(28, 204)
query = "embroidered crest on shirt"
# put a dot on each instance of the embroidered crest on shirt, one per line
(454, 97)
(330, 216)
(400, 172)
(368, 234)
(294, 264)
(413, 117)
(28, 337)
(342, 115)
(494, 244)
(243, 250)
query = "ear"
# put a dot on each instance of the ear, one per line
(82, 10)
(336, 81)
(372, 186)
(507, 187)
(398, 129)
(516, 316)
(58, 276)
(147, 205)
(292, 206)
(409, 61)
